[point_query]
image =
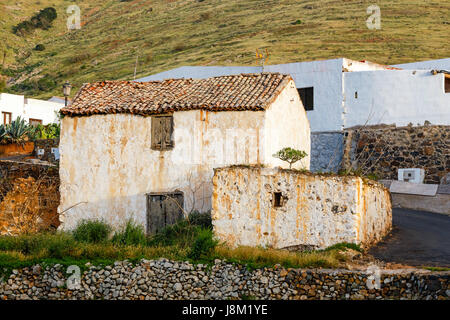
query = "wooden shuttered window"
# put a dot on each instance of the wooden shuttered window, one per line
(162, 132)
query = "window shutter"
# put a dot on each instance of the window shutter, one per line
(162, 131)
(156, 133)
(168, 131)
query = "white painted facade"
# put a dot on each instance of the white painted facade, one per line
(395, 96)
(107, 165)
(401, 96)
(27, 109)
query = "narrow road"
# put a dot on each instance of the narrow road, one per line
(418, 238)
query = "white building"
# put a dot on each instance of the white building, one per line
(439, 64)
(34, 111)
(343, 93)
(147, 150)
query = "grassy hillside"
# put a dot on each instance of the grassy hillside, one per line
(168, 33)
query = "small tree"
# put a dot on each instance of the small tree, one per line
(290, 155)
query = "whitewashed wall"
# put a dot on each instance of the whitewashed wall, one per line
(395, 96)
(42, 110)
(11, 103)
(29, 108)
(285, 116)
(326, 78)
(317, 211)
(107, 165)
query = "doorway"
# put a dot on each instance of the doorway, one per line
(163, 209)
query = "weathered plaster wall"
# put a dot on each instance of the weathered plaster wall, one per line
(317, 211)
(107, 164)
(286, 125)
(327, 149)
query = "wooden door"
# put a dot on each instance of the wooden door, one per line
(163, 210)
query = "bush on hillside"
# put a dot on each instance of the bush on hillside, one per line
(42, 20)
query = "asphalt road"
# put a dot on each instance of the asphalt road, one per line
(418, 238)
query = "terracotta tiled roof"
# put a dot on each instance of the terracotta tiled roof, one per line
(236, 92)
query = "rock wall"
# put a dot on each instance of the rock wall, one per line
(327, 149)
(382, 150)
(46, 145)
(164, 279)
(17, 169)
(281, 208)
(29, 197)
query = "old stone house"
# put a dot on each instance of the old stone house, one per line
(147, 151)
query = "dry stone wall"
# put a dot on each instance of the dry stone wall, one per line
(382, 150)
(47, 146)
(164, 279)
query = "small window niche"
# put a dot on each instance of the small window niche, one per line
(277, 200)
(447, 83)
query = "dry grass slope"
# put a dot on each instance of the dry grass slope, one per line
(171, 33)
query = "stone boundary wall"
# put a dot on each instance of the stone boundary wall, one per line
(327, 150)
(16, 169)
(384, 149)
(164, 279)
(281, 208)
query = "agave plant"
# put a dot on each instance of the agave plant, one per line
(17, 131)
(3, 133)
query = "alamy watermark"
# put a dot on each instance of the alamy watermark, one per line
(374, 277)
(74, 20)
(374, 20)
(74, 281)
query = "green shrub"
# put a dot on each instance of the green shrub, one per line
(50, 131)
(201, 219)
(92, 231)
(181, 234)
(59, 245)
(39, 47)
(290, 155)
(43, 20)
(132, 234)
(203, 245)
(2, 84)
